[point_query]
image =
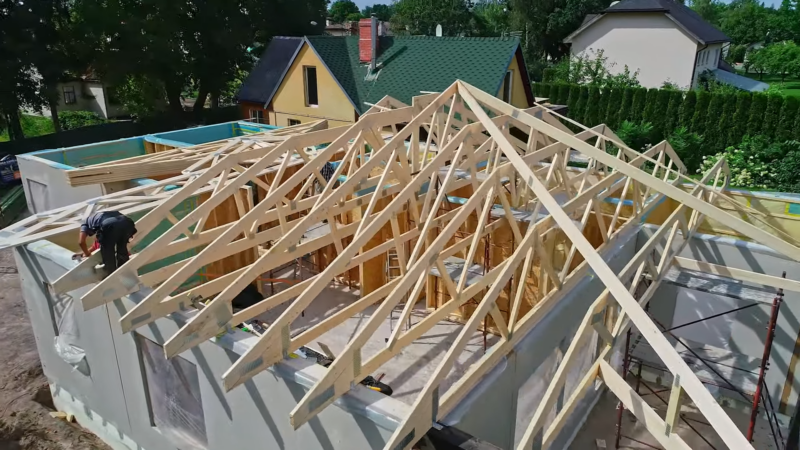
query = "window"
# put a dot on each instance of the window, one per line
(507, 86)
(716, 57)
(310, 75)
(257, 115)
(173, 396)
(293, 122)
(69, 95)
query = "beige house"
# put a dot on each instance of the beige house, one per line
(664, 40)
(86, 94)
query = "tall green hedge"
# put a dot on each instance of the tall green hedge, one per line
(572, 100)
(660, 114)
(758, 108)
(738, 127)
(580, 107)
(725, 121)
(637, 107)
(788, 116)
(563, 93)
(613, 107)
(672, 119)
(687, 109)
(591, 116)
(602, 106)
(712, 133)
(650, 106)
(700, 111)
(773, 115)
(625, 107)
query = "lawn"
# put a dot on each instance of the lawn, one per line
(791, 84)
(32, 126)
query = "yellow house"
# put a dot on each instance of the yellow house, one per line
(329, 77)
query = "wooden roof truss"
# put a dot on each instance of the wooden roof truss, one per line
(470, 141)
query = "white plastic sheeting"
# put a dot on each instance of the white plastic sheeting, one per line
(67, 333)
(173, 390)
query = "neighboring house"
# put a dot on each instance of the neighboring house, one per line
(86, 94)
(325, 77)
(348, 28)
(664, 40)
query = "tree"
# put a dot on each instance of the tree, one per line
(381, 11)
(563, 93)
(602, 104)
(613, 107)
(341, 9)
(745, 22)
(687, 109)
(712, 133)
(492, 18)
(758, 108)
(788, 115)
(574, 95)
(758, 60)
(772, 115)
(649, 113)
(638, 105)
(700, 113)
(738, 127)
(710, 10)
(725, 120)
(594, 70)
(781, 58)
(422, 16)
(736, 53)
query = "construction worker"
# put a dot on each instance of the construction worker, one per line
(113, 231)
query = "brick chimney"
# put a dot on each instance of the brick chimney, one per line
(368, 40)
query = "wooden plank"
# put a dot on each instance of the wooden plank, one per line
(738, 274)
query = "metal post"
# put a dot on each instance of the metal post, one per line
(776, 305)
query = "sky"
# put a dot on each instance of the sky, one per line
(362, 3)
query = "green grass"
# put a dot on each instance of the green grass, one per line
(791, 86)
(32, 126)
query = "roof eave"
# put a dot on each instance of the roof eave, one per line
(283, 75)
(568, 39)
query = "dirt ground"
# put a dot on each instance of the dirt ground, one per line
(25, 401)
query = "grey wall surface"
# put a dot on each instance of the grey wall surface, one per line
(255, 415)
(744, 331)
(46, 186)
(502, 405)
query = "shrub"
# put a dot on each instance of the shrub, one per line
(738, 126)
(687, 109)
(637, 105)
(544, 90)
(712, 134)
(725, 121)
(613, 107)
(761, 164)
(672, 119)
(700, 111)
(758, 108)
(563, 93)
(71, 120)
(548, 75)
(625, 106)
(788, 114)
(580, 107)
(590, 117)
(688, 146)
(574, 94)
(648, 115)
(635, 134)
(660, 113)
(602, 105)
(772, 115)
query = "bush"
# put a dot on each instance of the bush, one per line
(580, 106)
(700, 112)
(636, 135)
(660, 114)
(725, 121)
(688, 146)
(758, 108)
(613, 107)
(71, 120)
(649, 113)
(574, 95)
(625, 106)
(713, 134)
(761, 164)
(738, 127)
(602, 105)
(772, 115)
(563, 93)
(548, 75)
(788, 114)
(590, 117)
(687, 109)
(672, 119)
(637, 106)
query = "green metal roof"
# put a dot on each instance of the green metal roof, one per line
(414, 64)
